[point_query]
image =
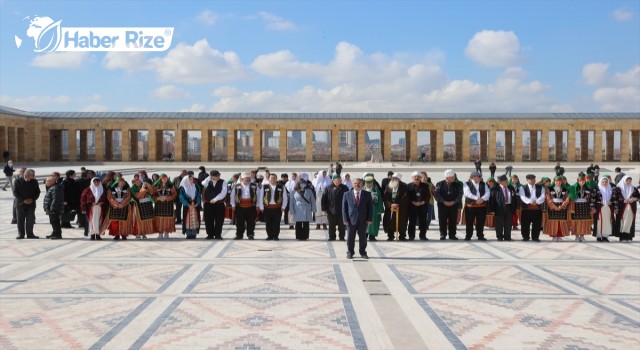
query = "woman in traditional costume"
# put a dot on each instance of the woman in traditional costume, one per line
(142, 194)
(626, 201)
(582, 209)
(602, 200)
(119, 219)
(190, 198)
(92, 204)
(164, 215)
(557, 225)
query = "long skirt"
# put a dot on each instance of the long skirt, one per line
(321, 217)
(165, 220)
(119, 221)
(604, 224)
(627, 220)
(94, 217)
(190, 221)
(557, 224)
(143, 224)
(581, 218)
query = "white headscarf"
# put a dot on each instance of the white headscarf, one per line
(346, 182)
(189, 188)
(627, 190)
(605, 191)
(96, 190)
(321, 182)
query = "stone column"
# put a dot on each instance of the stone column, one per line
(309, 148)
(257, 145)
(385, 139)
(462, 145)
(4, 145)
(283, 145)
(438, 142)
(99, 144)
(184, 146)
(22, 154)
(484, 154)
(624, 146)
(83, 146)
(609, 143)
(205, 141)
(125, 146)
(544, 148)
(571, 145)
(517, 143)
(361, 149)
(133, 143)
(533, 145)
(231, 145)
(411, 137)
(491, 144)
(433, 147)
(558, 148)
(597, 145)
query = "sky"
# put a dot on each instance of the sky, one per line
(334, 56)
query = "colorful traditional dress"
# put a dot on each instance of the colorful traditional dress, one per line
(191, 199)
(92, 202)
(143, 209)
(164, 215)
(119, 219)
(378, 210)
(557, 224)
(581, 205)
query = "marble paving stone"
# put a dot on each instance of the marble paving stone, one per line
(544, 323)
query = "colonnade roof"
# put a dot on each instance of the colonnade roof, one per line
(362, 116)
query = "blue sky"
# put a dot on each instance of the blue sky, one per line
(335, 56)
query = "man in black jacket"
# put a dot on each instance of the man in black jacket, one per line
(448, 194)
(26, 191)
(54, 207)
(213, 197)
(8, 172)
(503, 203)
(332, 205)
(71, 196)
(419, 197)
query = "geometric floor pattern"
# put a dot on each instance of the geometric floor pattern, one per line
(199, 294)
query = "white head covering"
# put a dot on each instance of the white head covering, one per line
(189, 188)
(304, 176)
(627, 190)
(449, 173)
(397, 176)
(96, 190)
(321, 182)
(416, 173)
(605, 190)
(346, 182)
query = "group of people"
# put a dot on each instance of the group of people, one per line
(109, 204)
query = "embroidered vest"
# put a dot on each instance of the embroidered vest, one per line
(268, 194)
(253, 190)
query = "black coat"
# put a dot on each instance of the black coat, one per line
(54, 200)
(331, 200)
(496, 199)
(71, 193)
(8, 170)
(24, 189)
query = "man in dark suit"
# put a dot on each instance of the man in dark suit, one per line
(213, 197)
(503, 203)
(357, 213)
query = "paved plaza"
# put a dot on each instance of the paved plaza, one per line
(199, 294)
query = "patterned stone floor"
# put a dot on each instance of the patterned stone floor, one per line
(178, 294)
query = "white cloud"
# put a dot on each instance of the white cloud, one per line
(284, 64)
(622, 15)
(130, 61)
(196, 107)
(207, 17)
(31, 103)
(95, 108)
(275, 22)
(64, 60)
(619, 92)
(169, 92)
(198, 64)
(595, 73)
(612, 99)
(494, 48)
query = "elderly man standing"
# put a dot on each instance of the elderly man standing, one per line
(54, 207)
(26, 191)
(357, 213)
(419, 196)
(244, 198)
(448, 194)
(476, 194)
(503, 204)
(396, 204)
